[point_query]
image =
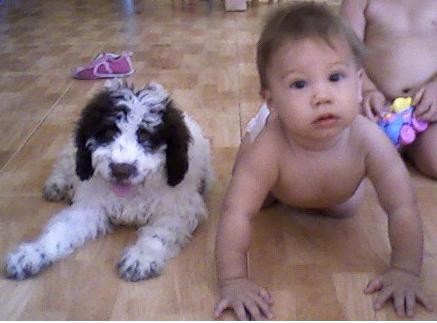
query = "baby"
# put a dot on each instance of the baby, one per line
(309, 148)
(401, 37)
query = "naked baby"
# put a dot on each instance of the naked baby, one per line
(400, 60)
(309, 148)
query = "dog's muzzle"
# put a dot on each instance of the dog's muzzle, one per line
(121, 173)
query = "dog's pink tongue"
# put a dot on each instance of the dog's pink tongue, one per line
(122, 190)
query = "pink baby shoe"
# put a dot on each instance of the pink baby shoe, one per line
(105, 65)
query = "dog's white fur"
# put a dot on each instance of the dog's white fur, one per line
(166, 215)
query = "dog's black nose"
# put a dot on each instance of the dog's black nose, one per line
(122, 171)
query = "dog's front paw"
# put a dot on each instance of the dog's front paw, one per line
(56, 192)
(135, 265)
(26, 261)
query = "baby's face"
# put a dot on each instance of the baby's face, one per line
(314, 88)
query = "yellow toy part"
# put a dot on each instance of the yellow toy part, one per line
(401, 104)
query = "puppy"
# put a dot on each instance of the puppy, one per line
(136, 159)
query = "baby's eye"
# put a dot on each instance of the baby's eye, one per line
(335, 77)
(300, 84)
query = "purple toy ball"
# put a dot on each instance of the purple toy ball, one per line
(419, 125)
(407, 135)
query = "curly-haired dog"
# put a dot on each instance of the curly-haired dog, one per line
(137, 160)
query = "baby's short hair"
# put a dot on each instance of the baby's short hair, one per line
(297, 21)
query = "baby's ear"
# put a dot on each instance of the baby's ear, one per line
(267, 97)
(263, 94)
(360, 73)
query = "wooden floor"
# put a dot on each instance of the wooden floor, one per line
(316, 268)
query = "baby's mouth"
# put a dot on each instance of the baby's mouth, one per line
(325, 120)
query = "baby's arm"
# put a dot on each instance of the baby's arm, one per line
(392, 183)
(353, 11)
(425, 101)
(253, 177)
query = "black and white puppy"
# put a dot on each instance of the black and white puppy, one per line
(136, 160)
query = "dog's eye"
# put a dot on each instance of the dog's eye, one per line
(106, 134)
(156, 111)
(157, 108)
(143, 135)
(121, 113)
(120, 116)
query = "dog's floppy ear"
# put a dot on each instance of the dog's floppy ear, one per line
(177, 138)
(84, 168)
(87, 126)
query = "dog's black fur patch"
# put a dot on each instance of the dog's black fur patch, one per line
(93, 123)
(177, 137)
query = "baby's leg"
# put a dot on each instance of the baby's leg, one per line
(269, 201)
(423, 152)
(348, 208)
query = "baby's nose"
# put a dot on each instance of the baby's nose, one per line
(122, 171)
(322, 99)
(321, 95)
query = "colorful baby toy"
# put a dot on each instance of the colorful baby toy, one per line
(400, 124)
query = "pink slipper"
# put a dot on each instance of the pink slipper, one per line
(105, 65)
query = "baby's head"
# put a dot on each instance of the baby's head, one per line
(302, 21)
(309, 63)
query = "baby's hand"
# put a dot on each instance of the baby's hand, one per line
(245, 298)
(373, 104)
(425, 101)
(402, 287)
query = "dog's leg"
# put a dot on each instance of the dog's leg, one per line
(62, 182)
(162, 238)
(64, 233)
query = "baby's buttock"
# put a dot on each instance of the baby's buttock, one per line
(399, 66)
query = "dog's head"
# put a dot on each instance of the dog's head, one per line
(125, 134)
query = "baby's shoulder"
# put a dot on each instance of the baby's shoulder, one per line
(362, 124)
(262, 151)
(265, 145)
(367, 134)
